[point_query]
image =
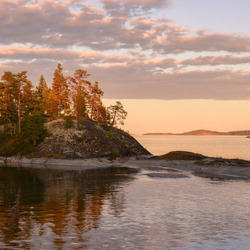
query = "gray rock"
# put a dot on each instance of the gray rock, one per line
(91, 140)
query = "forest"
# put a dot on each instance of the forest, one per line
(24, 109)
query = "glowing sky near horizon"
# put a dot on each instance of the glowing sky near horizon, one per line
(183, 64)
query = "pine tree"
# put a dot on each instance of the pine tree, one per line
(96, 109)
(79, 92)
(41, 96)
(23, 93)
(117, 114)
(8, 111)
(60, 91)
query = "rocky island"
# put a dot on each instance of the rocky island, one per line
(67, 120)
(67, 126)
(86, 140)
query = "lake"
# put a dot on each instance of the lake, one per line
(114, 208)
(214, 146)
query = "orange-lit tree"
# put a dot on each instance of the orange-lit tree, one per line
(60, 91)
(79, 92)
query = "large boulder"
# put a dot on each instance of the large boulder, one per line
(88, 139)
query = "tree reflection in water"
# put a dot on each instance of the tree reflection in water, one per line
(56, 205)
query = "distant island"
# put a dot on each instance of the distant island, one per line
(206, 132)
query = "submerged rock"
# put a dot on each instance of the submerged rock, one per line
(88, 140)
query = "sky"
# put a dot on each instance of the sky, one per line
(176, 65)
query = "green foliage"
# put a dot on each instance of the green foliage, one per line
(69, 123)
(114, 155)
(111, 134)
(80, 139)
(17, 144)
(34, 128)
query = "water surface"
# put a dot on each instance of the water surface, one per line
(214, 146)
(120, 209)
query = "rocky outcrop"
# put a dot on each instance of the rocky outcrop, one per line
(88, 140)
(181, 155)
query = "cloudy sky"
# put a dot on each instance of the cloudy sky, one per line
(161, 58)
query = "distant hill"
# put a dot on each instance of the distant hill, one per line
(206, 132)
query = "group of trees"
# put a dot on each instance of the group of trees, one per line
(22, 105)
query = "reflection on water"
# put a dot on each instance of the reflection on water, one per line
(116, 209)
(46, 208)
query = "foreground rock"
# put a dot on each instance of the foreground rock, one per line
(181, 155)
(88, 140)
(154, 167)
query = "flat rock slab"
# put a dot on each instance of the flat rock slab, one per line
(167, 175)
(218, 176)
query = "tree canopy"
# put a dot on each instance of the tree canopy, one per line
(22, 106)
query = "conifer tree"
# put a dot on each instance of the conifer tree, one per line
(23, 93)
(96, 109)
(60, 91)
(8, 112)
(41, 96)
(117, 114)
(79, 92)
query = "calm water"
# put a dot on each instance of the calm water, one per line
(216, 146)
(120, 209)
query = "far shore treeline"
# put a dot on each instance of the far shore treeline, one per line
(24, 108)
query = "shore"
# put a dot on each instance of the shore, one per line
(207, 167)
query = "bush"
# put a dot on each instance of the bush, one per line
(69, 123)
(17, 144)
(80, 139)
(114, 155)
(111, 134)
(34, 128)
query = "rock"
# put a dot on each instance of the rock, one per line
(167, 175)
(212, 161)
(181, 155)
(89, 140)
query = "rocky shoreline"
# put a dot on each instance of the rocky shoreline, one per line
(85, 140)
(186, 164)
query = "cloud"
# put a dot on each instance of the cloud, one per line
(144, 4)
(130, 51)
(216, 60)
(204, 42)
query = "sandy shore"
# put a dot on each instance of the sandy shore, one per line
(204, 168)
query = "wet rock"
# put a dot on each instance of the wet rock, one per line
(217, 176)
(223, 162)
(167, 175)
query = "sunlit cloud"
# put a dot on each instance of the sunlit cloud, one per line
(130, 51)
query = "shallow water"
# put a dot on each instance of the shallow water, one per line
(116, 209)
(214, 146)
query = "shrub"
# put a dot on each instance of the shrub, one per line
(111, 134)
(69, 123)
(80, 139)
(114, 155)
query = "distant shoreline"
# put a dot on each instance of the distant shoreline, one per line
(202, 132)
